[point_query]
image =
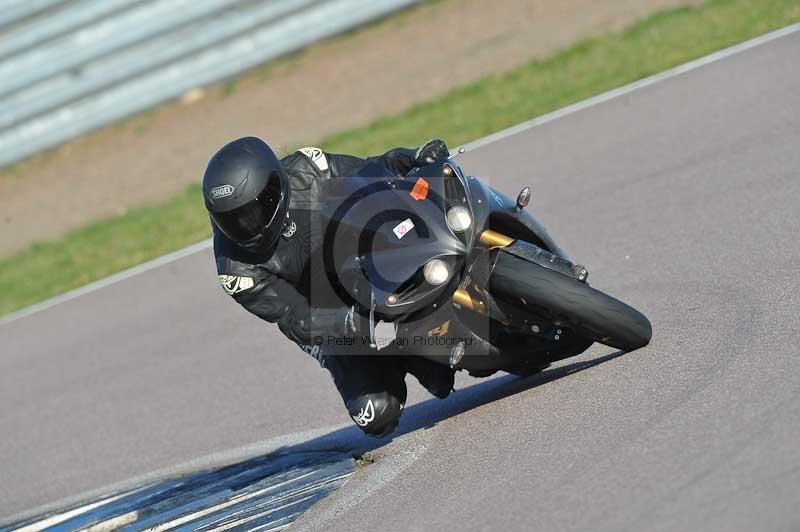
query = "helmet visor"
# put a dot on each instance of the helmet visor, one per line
(251, 219)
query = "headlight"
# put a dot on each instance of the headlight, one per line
(436, 272)
(459, 219)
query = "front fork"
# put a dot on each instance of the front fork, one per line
(449, 336)
(473, 296)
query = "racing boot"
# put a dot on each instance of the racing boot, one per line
(438, 379)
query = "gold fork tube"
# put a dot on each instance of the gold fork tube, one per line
(493, 239)
(463, 298)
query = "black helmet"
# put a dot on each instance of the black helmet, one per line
(247, 193)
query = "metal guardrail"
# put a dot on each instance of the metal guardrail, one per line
(68, 67)
(12, 11)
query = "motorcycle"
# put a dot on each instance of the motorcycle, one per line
(468, 277)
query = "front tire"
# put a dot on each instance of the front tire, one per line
(565, 300)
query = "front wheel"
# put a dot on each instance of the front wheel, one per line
(565, 300)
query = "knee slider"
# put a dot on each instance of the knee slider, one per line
(377, 414)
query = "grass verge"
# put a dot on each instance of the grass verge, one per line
(593, 66)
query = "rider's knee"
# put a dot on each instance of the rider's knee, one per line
(377, 414)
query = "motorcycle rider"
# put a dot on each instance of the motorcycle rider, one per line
(265, 216)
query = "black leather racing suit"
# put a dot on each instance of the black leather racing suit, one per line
(278, 285)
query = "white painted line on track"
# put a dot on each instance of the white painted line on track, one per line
(326, 438)
(224, 504)
(500, 135)
(59, 518)
(642, 83)
(102, 283)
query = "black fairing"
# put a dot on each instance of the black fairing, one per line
(495, 210)
(367, 263)
(368, 260)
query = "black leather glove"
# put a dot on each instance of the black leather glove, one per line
(431, 152)
(319, 323)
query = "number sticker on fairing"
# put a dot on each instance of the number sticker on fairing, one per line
(403, 227)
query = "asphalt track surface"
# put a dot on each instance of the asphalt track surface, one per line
(683, 198)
